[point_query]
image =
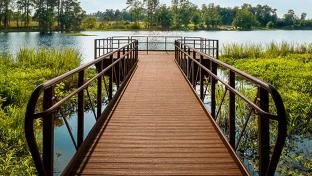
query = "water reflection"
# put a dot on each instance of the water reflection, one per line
(12, 42)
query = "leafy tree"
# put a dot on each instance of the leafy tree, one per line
(72, 15)
(290, 18)
(5, 12)
(211, 16)
(174, 9)
(136, 10)
(164, 16)
(89, 23)
(196, 17)
(151, 7)
(41, 15)
(227, 15)
(265, 14)
(303, 19)
(244, 19)
(118, 15)
(184, 13)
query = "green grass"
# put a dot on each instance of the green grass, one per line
(288, 67)
(18, 77)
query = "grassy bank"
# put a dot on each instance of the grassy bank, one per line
(18, 77)
(288, 67)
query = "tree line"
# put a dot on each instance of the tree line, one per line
(182, 14)
(67, 15)
(49, 15)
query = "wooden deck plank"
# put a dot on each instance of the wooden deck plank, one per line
(158, 128)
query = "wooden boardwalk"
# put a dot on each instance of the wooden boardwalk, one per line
(159, 128)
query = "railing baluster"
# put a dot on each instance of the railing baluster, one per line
(48, 133)
(118, 72)
(80, 120)
(213, 82)
(99, 91)
(188, 64)
(110, 82)
(217, 52)
(263, 131)
(124, 63)
(201, 77)
(193, 71)
(147, 44)
(184, 61)
(232, 110)
(95, 48)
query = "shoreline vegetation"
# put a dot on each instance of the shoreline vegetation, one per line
(286, 66)
(19, 75)
(68, 16)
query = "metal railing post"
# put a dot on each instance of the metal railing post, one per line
(48, 133)
(80, 120)
(232, 110)
(124, 63)
(118, 72)
(110, 83)
(213, 68)
(95, 48)
(217, 55)
(188, 64)
(147, 44)
(263, 131)
(165, 43)
(201, 79)
(99, 91)
(193, 71)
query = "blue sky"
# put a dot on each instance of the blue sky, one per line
(282, 5)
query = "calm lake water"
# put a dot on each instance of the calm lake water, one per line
(12, 42)
(64, 149)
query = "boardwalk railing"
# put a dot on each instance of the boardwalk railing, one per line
(112, 69)
(204, 71)
(156, 43)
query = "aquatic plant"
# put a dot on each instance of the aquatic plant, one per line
(18, 77)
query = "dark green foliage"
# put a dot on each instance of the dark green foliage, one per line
(89, 23)
(212, 16)
(18, 77)
(287, 67)
(244, 19)
(164, 17)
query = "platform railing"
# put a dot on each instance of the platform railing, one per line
(150, 43)
(111, 69)
(201, 70)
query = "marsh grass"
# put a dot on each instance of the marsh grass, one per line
(288, 67)
(241, 51)
(18, 77)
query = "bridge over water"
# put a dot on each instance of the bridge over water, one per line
(158, 103)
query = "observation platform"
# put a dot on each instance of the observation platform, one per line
(172, 111)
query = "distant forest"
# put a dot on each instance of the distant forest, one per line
(41, 15)
(67, 15)
(182, 14)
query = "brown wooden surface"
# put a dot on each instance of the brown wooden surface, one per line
(158, 128)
